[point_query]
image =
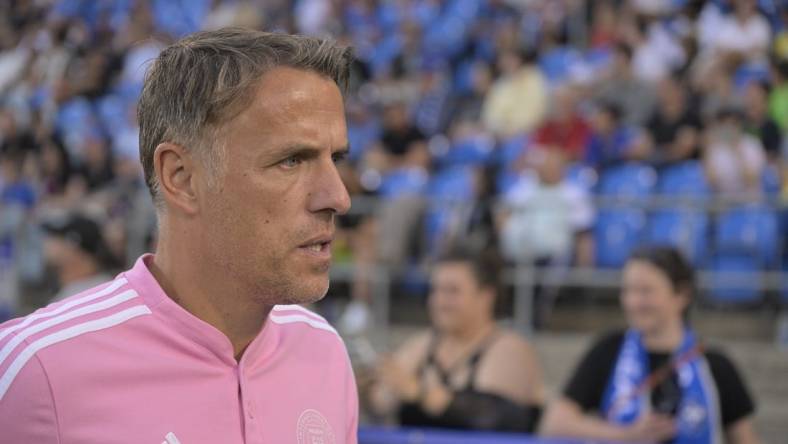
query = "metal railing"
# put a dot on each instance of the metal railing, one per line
(525, 279)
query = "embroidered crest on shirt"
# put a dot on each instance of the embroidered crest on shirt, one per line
(313, 428)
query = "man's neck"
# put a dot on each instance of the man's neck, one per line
(210, 298)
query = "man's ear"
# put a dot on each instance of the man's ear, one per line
(175, 171)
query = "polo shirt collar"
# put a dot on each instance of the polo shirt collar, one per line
(190, 326)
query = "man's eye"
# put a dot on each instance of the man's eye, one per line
(339, 157)
(291, 162)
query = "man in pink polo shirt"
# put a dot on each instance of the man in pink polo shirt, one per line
(202, 342)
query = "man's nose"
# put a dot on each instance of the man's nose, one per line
(329, 192)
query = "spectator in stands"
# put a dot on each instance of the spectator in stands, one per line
(565, 129)
(17, 205)
(403, 144)
(780, 46)
(404, 147)
(545, 218)
(695, 395)
(521, 82)
(778, 98)
(430, 110)
(96, 170)
(603, 27)
(744, 35)
(718, 93)
(759, 123)
(675, 127)
(657, 50)
(75, 248)
(620, 87)
(473, 224)
(547, 223)
(733, 160)
(55, 168)
(466, 372)
(613, 142)
(12, 136)
(468, 107)
(16, 188)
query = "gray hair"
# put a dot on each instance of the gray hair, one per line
(202, 81)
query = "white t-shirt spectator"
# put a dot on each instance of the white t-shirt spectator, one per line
(544, 220)
(728, 166)
(659, 55)
(751, 37)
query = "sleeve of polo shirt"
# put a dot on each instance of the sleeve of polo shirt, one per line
(27, 408)
(352, 406)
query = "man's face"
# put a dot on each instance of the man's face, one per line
(269, 213)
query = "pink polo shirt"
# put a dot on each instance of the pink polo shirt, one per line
(123, 363)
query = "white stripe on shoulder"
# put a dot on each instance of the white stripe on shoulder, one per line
(70, 304)
(87, 309)
(68, 333)
(306, 311)
(289, 319)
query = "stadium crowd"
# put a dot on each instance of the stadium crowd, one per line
(514, 119)
(508, 125)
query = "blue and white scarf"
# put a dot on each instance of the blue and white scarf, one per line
(698, 416)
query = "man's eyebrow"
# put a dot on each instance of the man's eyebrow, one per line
(345, 149)
(306, 150)
(297, 149)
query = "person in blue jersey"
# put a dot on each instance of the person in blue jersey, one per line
(655, 382)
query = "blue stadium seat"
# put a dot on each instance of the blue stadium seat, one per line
(581, 175)
(402, 182)
(632, 180)
(750, 72)
(744, 291)
(770, 181)
(112, 110)
(452, 184)
(750, 229)
(446, 190)
(178, 18)
(76, 121)
(506, 181)
(509, 150)
(384, 53)
(389, 17)
(471, 151)
(684, 179)
(616, 233)
(685, 229)
(463, 77)
(598, 58)
(557, 63)
(361, 137)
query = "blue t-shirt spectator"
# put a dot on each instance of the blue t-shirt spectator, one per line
(611, 142)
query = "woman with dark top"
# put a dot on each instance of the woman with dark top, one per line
(655, 382)
(466, 372)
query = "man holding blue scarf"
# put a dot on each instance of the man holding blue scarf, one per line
(655, 382)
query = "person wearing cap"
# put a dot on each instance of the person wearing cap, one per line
(76, 249)
(204, 341)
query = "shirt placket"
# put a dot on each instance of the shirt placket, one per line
(250, 420)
